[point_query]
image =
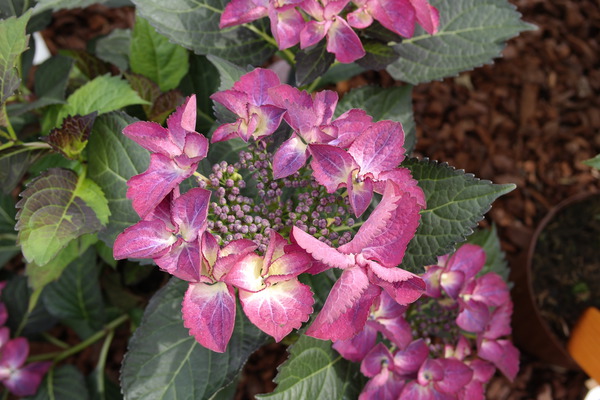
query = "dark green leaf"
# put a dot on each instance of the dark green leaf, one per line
(455, 203)
(13, 42)
(71, 138)
(314, 370)
(8, 236)
(114, 48)
(113, 160)
(63, 383)
(164, 362)
(16, 298)
(76, 297)
(471, 33)
(153, 56)
(379, 55)
(55, 5)
(495, 259)
(229, 73)
(340, 72)
(89, 65)
(110, 391)
(393, 103)
(164, 105)
(13, 8)
(312, 63)
(56, 208)
(51, 79)
(194, 24)
(14, 162)
(145, 88)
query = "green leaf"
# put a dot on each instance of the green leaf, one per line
(164, 362)
(593, 162)
(63, 383)
(76, 296)
(314, 370)
(379, 55)
(153, 56)
(8, 236)
(114, 48)
(194, 24)
(112, 160)
(71, 138)
(15, 297)
(340, 72)
(455, 203)
(103, 94)
(313, 62)
(39, 277)
(51, 79)
(57, 207)
(229, 73)
(495, 259)
(14, 162)
(203, 80)
(393, 103)
(55, 5)
(87, 64)
(13, 42)
(471, 34)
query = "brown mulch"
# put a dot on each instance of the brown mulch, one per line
(530, 119)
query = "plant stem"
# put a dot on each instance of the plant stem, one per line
(102, 363)
(287, 54)
(11, 131)
(55, 341)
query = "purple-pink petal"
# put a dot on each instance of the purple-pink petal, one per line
(145, 239)
(499, 324)
(456, 375)
(238, 12)
(152, 137)
(473, 317)
(286, 27)
(14, 353)
(356, 349)
(189, 213)
(386, 386)
(408, 361)
(378, 358)
(256, 85)
(25, 381)
(502, 353)
(279, 308)
(469, 259)
(344, 42)
(491, 290)
(427, 15)
(360, 194)
(349, 126)
(182, 260)
(149, 188)
(183, 121)
(289, 157)
(321, 251)
(209, 314)
(379, 148)
(331, 165)
(452, 282)
(396, 15)
(313, 32)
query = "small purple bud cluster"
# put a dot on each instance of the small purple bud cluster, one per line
(234, 216)
(435, 322)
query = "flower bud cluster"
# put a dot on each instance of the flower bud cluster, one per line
(19, 378)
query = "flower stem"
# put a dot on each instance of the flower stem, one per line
(11, 131)
(287, 54)
(102, 363)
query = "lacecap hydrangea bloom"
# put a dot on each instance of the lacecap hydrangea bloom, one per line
(310, 188)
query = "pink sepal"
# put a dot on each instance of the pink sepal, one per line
(378, 358)
(226, 132)
(452, 282)
(322, 252)
(499, 324)
(344, 42)
(332, 166)
(502, 353)
(145, 239)
(408, 361)
(182, 260)
(491, 290)
(482, 370)
(289, 157)
(427, 15)
(403, 179)
(469, 259)
(473, 317)
(414, 391)
(195, 149)
(313, 32)
(430, 371)
(432, 278)
(403, 292)
(152, 137)
(14, 353)
(396, 15)
(286, 27)
(386, 386)
(287, 266)
(190, 211)
(360, 194)
(246, 273)
(456, 375)
(183, 121)
(209, 314)
(347, 307)
(25, 381)
(356, 349)
(275, 249)
(349, 126)
(238, 12)
(379, 148)
(256, 85)
(279, 308)
(149, 188)
(359, 18)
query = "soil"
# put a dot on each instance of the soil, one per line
(530, 119)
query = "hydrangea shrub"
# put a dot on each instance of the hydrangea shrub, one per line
(281, 210)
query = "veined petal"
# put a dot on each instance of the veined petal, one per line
(234, 100)
(286, 27)
(196, 147)
(427, 15)
(396, 15)
(288, 266)
(14, 353)
(149, 188)
(267, 119)
(359, 18)
(145, 239)
(246, 273)
(344, 42)
(26, 380)
(289, 157)
(356, 349)
(385, 386)
(275, 249)
(256, 85)
(408, 361)
(452, 282)
(469, 259)
(360, 194)
(226, 132)
(313, 33)
(491, 290)
(386, 233)
(402, 288)
(209, 313)
(183, 121)
(347, 307)
(321, 251)
(379, 148)
(405, 182)
(331, 165)
(456, 376)
(279, 308)
(190, 211)
(349, 126)
(376, 360)
(153, 137)
(182, 260)
(238, 12)
(499, 324)
(473, 317)
(502, 353)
